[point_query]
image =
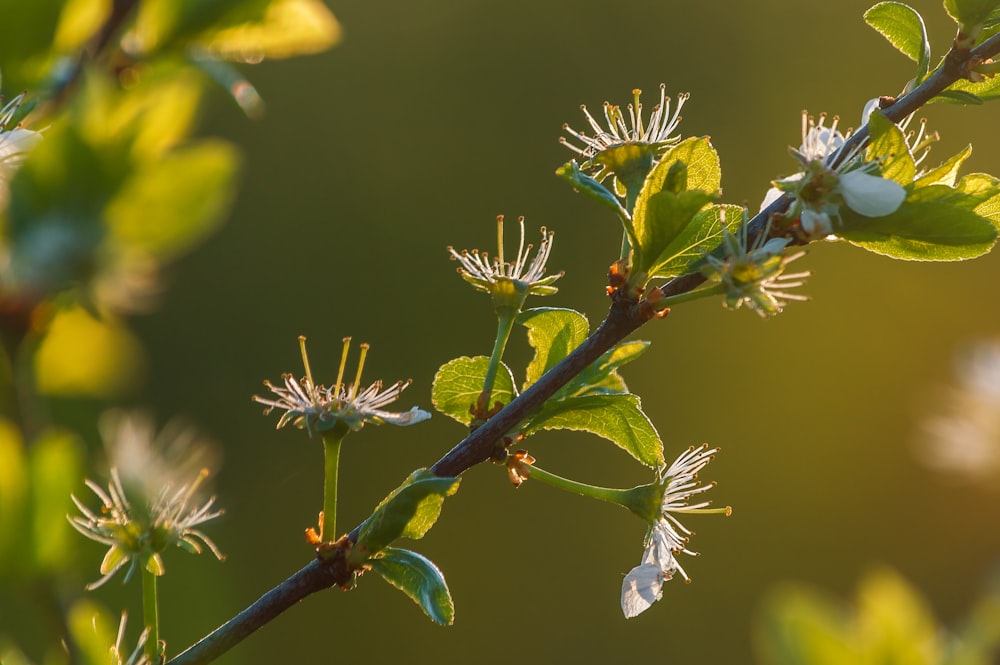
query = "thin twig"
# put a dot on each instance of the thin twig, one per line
(623, 318)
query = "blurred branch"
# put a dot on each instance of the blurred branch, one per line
(488, 441)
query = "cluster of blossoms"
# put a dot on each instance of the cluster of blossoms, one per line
(315, 407)
(141, 518)
(830, 180)
(666, 536)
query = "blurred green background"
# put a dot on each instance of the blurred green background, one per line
(427, 121)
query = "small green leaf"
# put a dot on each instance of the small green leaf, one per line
(947, 172)
(408, 512)
(904, 28)
(553, 333)
(933, 227)
(618, 418)
(56, 466)
(888, 144)
(969, 13)
(601, 377)
(459, 382)
(682, 183)
(702, 235)
(583, 183)
(417, 577)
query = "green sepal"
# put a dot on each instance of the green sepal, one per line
(685, 180)
(553, 333)
(936, 223)
(970, 13)
(705, 232)
(904, 28)
(459, 382)
(408, 512)
(888, 144)
(617, 418)
(154, 564)
(946, 172)
(589, 187)
(417, 577)
(112, 559)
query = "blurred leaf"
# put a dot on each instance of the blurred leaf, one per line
(888, 144)
(800, 626)
(27, 32)
(418, 578)
(617, 418)
(13, 492)
(170, 205)
(94, 632)
(904, 28)
(969, 13)
(408, 512)
(80, 20)
(56, 468)
(553, 333)
(459, 382)
(288, 28)
(81, 355)
(164, 24)
(895, 623)
(702, 235)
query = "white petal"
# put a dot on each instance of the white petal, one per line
(816, 224)
(642, 587)
(772, 195)
(867, 111)
(411, 417)
(17, 142)
(870, 195)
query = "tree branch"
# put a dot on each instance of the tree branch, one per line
(624, 317)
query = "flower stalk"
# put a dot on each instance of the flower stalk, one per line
(151, 617)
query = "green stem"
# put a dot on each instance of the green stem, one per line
(151, 617)
(670, 301)
(331, 451)
(611, 495)
(505, 324)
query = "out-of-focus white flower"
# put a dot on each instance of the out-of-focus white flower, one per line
(15, 144)
(963, 438)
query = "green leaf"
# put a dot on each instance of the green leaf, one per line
(947, 172)
(682, 183)
(55, 467)
(888, 144)
(418, 578)
(703, 235)
(904, 28)
(553, 333)
(601, 377)
(27, 32)
(967, 92)
(618, 418)
(173, 203)
(935, 224)
(459, 382)
(583, 183)
(969, 13)
(408, 512)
